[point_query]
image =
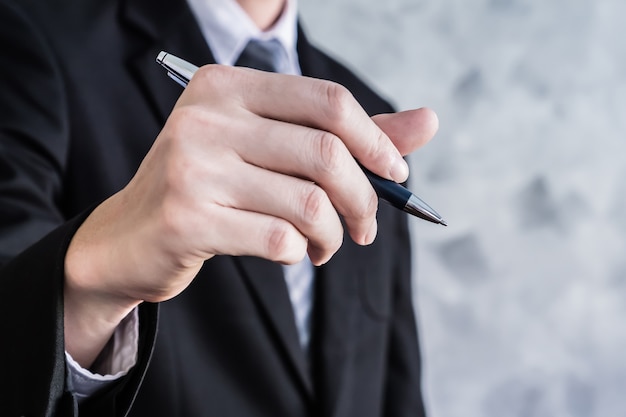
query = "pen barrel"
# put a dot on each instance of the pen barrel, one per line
(390, 191)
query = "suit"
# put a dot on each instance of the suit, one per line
(82, 104)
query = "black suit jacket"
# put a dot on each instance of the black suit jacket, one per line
(81, 102)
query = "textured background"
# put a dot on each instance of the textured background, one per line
(522, 299)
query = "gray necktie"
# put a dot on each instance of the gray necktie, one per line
(266, 55)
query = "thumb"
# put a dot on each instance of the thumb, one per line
(409, 130)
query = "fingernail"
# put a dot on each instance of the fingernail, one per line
(399, 171)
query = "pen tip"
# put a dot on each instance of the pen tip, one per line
(417, 207)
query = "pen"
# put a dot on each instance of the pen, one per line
(395, 194)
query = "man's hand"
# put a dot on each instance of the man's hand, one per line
(248, 163)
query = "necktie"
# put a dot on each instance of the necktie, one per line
(270, 55)
(265, 55)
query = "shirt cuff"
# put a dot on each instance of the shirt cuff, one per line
(114, 362)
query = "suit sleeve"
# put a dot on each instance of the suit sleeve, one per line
(403, 390)
(33, 135)
(34, 235)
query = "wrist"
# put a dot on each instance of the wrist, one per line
(91, 311)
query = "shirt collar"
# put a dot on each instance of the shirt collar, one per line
(227, 29)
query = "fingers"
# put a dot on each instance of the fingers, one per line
(240, 232)
(297, 139)
(303, 204)
(322, 158)
(314, 103)
(262, 213)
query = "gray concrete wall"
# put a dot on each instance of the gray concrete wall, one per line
(522, 299)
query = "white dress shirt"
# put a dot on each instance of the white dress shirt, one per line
(227, 29)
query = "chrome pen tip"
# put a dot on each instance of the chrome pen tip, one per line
(419, 208)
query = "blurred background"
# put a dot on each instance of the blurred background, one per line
(521, 301)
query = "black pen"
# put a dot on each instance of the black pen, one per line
(395, 194)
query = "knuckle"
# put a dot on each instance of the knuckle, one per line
(331, 153)
(368, 207)
(280, 240)
(339, 102)
(214, 76)
(191, 133)
(375, 150)
(313, 201)
(185, 122)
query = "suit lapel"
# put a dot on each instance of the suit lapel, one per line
(172, 29)
(266, 282)
(309, 57)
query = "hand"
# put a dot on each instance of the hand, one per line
(248, 163)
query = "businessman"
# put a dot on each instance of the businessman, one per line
(214, 215)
